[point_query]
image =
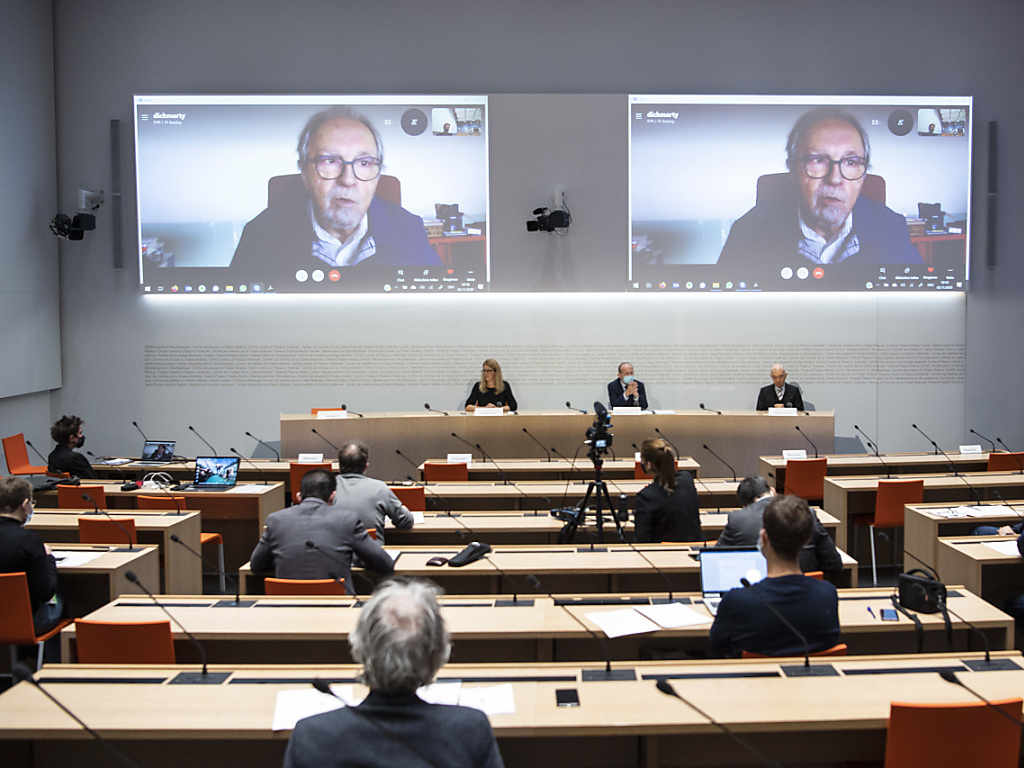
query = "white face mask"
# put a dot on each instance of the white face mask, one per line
(627, 380)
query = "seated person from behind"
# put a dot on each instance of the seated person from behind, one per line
(779, 394)
(492, 391)
(371, 499)
(401, 641)
(745, 623)
(338, 532)
(627, 390)
(67, 434)
(744, 528)
(23, 551)
(667, 509)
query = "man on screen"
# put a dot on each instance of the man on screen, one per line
(334, 219)
(820, 216)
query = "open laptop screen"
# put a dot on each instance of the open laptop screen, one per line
(158, 450)
(216, 471)
(722, 568)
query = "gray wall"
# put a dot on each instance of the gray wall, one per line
(529, 55)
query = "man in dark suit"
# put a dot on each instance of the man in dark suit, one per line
(67, 434)
(402, 642)
(336, 532)
(627, 390)
(779, 394)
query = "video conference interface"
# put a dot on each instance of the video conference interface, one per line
(714, 206)
(226, 207)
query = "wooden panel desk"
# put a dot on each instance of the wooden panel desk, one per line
(315, 630)
(840, 464)
(970, 561)
(739, 437)
(182, 571)
(557, 469)
(925, 523)
(627, 724)
(848, 496)
(87, 586)
(561, 569)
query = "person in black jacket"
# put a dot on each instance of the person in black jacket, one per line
(492, 391)
(67, 434)
(667, 509)
(779, 394)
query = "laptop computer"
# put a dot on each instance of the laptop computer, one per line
(156, 453)
(215, 473)
(721, 569)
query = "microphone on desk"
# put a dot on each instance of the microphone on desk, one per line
(588, 674)
(952, 466)
(237, 602)
(21, 673)
(572, 468)
(712, 410)
(574, 408)
(126, 484)
(265, 445)
(662, 435)
(354, 413)
(714, 498)
(950, 677)
(1000, 441)
(657, 570)
(350, 584)
(538, 442)
(98, 511)
(805, 437)
(934, 444)
(434, 410)
(874, 450)
(504, 477)
(263, 475)
(136, 425)
(324, 687)
(665, 687)
(204, 676)
(336, 448)
(984, 438)
(444, 501)
(37, 453)
(193, 429)
(515, 587)
(465, 442)
(806, 670)
(409, 461)
(727, 464)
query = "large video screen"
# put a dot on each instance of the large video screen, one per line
(300, 194)
(783, 193)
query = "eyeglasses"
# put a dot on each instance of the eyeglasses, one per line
(819, 166)
(487, 370)
(330, 167)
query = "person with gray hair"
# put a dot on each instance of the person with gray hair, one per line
(368, 497)
(329, 217)
(402, 641)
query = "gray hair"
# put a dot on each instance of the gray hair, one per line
(808, 120)
(353, 457)
(338, 112)
(401, 639)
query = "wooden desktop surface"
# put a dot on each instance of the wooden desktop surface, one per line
(626, 724)
(840, 464)
(557, 468)
(925, 524)
(970, 561)
(96, 583)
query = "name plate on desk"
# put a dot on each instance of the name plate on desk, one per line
(310, 458)
(332, 415)
(626, 410)
(966, 449)
(460, 458)
(783, 411)
(489, 412)
(801, 454)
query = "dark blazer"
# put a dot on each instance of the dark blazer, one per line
(664, 516)
(453, 737)
(22, 550)
(490, 397)
(63, 459)
(282, 549)
(791, 397)
(616, 397)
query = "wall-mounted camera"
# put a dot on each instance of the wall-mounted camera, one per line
(557, 219)
(74, 228)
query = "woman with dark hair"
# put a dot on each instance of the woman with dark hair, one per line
(667, 509)
(492, 391)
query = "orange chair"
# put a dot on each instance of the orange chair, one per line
(16, 453)
(274, 586)
(953, 735)
(638, 471)
(315, 411)
(297, 470)
(412, 496)
(835, 650)
(124, 642)
(806, 478)
(1005, 462)
(890, 499)
(372, 532)
(16, 626)
(73, 496)
(440, 471)
(819, 575)
(180, 502)
(107, 530)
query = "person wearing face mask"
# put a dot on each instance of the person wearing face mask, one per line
(667, 509)
(627, 390)
(67, 434)
(24, 551)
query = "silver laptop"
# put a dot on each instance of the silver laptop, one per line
(721, 569)
(156, 453)
(215, 473)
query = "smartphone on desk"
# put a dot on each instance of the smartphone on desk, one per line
(567, 697)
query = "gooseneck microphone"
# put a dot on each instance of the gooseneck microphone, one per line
(136, 425)
(465, 442)
(984, 438)
(434, 410)
(805, 437)
(354, 413)
(538, 442)
(193, 429)
(263, 475)
(504, 477)
(442, 499)
(662, 436)
(950, 677)
(574, 408)
(408, 461)
(22, 674)
(874, 450)
(665, 687)
(350, 587)
(336, 448)
(265, 445)
(712, 410)
(37, 453)
(806, 670)
(515, 587)
(664, 576)
(727, 464)
(97, 511)
(237, 602)
(934, 444)
(952, 466)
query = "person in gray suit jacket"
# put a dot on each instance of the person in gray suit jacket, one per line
(371, 499)
(401, 641)
(744, 528)
(336, 533)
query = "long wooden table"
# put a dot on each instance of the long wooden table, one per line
(739, 437)
(556, 469)
(925, 524)
(182, 571)
(529, 628)
(844, 464)
(969, 560)
(88, 586)
(627, 724)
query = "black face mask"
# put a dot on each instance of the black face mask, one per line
(81, 440)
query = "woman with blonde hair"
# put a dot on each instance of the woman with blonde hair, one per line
(492, 391)
(667, 509)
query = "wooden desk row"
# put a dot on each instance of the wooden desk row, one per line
(87, 586)
(529, 629)
(845, 464)
(627, 724)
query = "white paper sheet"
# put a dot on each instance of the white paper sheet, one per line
(294, 705)
(491, 700)
(673, 615)
(624, 621)
(73, 559)
(441, 693)
(1008, 547)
